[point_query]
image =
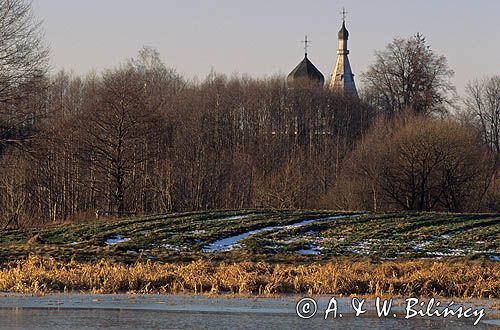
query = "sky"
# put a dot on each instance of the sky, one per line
(262, 38)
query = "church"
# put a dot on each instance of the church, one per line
(342, 78)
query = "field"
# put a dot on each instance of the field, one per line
(263, 235)
(261, 252)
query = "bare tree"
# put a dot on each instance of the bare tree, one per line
(422, 164)
(121, 128)
(13, 194)
(482, 104)
(408, 75)
(23, 65)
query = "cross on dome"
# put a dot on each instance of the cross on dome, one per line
(306, 43)
(344, 14)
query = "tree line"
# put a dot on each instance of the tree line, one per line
(139, 138)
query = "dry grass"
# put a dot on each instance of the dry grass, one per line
(465, 279)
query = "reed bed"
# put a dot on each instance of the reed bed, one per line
(463, 279)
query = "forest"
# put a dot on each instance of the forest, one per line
(142, 139)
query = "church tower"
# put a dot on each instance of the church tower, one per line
(305, 72)
(342, 79)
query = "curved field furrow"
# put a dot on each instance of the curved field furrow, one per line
(289, 235)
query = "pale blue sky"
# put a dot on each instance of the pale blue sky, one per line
(262, 37)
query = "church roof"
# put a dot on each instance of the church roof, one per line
(343, 33)
(306, 70)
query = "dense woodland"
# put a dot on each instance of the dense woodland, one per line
(140, 138)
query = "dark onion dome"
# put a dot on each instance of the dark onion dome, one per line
(343, 33)
(305, 70)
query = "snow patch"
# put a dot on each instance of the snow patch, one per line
(174, 247)
(116, 239)
(361, 247)
(421, 245)
(230, 243)
(197, 232)
(311, 250)
(448, 253)
(237, 217)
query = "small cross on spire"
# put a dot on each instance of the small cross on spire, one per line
(306, 43)
(344, 14)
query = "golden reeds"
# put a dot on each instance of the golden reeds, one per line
(464, 279)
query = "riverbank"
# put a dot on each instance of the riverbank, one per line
(462, 279)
